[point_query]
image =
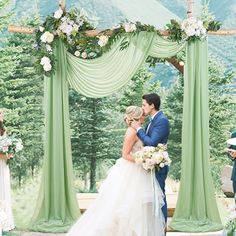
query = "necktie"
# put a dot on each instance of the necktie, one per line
(150, 121)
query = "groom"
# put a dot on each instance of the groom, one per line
(157, 131)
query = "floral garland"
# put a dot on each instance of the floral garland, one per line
(71, 27)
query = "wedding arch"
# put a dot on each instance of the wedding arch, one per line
(57, 207)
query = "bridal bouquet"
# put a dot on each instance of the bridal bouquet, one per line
(153, 157)
(9, 145)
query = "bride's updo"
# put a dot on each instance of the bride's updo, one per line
(132, 113)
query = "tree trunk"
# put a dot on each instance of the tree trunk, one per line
(93, 174)
(93, 161)
(86, 180)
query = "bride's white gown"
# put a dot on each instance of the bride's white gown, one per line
(5, 194)
(124, 206)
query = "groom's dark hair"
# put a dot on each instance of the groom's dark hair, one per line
(153, 98)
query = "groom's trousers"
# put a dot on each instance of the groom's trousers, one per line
(161, 178)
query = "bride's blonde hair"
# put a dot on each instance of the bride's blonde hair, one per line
(132, 113)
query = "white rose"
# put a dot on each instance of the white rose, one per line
(68, 30)
(58, 14)
(47, 37)
(129, 27)
(103, 39)
(77, 53)
(45, 60)
(190, 31)
(71, 22)
(158, 157)
(181, 63)
(84, 55)
(47, 67)
(162, 165)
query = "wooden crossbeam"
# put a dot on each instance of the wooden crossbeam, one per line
(93, 33)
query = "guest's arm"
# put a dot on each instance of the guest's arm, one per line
(231, 153)
(3, 156)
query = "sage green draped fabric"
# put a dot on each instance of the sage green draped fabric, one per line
(103, 76)
(196, 209)
(57, 207)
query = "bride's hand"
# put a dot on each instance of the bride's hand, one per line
(135, 124)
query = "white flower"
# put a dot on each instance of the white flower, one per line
(19, 147)
(129, 27)
(103, 39)
(193, 26)
(71, 22)
(45, 60)
(190, 31)
(158, 157)
(66, 28)
(77, 53)
(47, 67)
(162, 165)
(58, 14)
(47, 37)
(41, 29)
(84, 55)
(48, 48)
(181, 63)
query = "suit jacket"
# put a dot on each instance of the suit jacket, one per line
(158, 131)
(233, 176)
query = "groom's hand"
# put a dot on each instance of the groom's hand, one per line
(135, 124)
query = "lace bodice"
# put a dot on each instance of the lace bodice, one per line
(137, 146)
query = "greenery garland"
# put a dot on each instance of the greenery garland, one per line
(71, 27)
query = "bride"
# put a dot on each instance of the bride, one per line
(5, 189)
(125, 204)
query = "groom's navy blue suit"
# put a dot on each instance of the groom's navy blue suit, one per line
(158, 132)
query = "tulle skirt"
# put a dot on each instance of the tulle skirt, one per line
(5, 195)
(128, 204)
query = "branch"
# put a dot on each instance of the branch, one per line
(62, 4)
(176, 64)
